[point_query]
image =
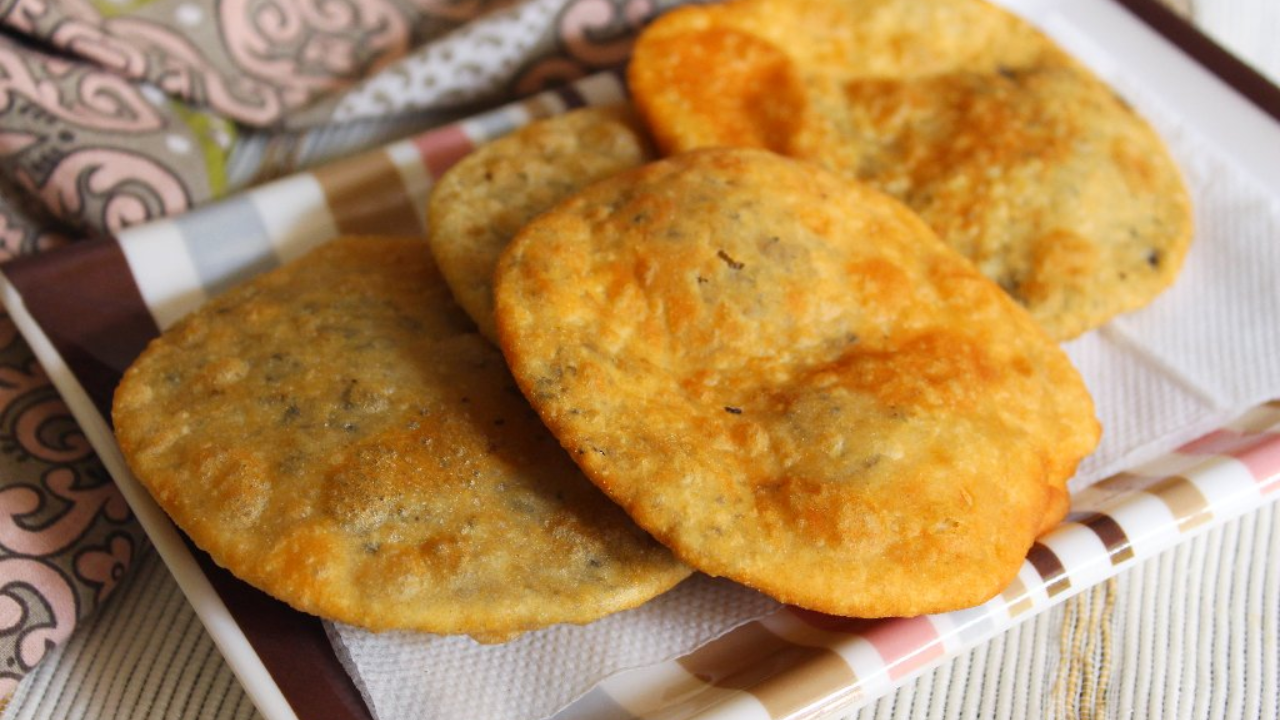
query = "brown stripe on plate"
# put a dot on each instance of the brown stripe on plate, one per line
(1051, 569)
(572, 97)
(1246, 81)
(367, 196)
(783, 676)
(84, 298)
(540, 106)
(1188, 505)
(1109, 532)
(1016, 597)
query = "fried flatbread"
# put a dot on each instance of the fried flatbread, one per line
(335, 433)
(790, 381)
(745, 72)
(481, 202)
(1015, 154)
(1040, 176)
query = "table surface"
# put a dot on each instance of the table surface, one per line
(167, 666)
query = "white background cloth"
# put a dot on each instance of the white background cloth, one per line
(1139, 646)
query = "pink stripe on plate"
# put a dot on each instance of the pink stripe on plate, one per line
(905, 644)
(441, 148)
(1260, 452)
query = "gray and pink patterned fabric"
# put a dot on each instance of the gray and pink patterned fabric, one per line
(117, 112)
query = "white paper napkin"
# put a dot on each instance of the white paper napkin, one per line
(1205, 351)
(1208, 348)
(413, 675)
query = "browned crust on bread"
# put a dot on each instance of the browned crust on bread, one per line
(335, 433)
(788, 379)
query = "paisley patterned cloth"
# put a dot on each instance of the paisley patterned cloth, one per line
(117, 112)
(66, 535)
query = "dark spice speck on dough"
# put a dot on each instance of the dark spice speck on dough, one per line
(733, 264)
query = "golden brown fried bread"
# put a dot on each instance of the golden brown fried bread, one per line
(737, 73)
(790, 381)
(1040, 176)
(335, 433)
(481, 202)
(1012, 152)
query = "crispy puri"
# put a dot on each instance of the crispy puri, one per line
(335, 433)
(789, 380)
(1016, 155)
(481, 202)
(1040, 176)
(765, 59)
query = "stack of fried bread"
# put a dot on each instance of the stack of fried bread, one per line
(1013, 153)
(811, 348)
